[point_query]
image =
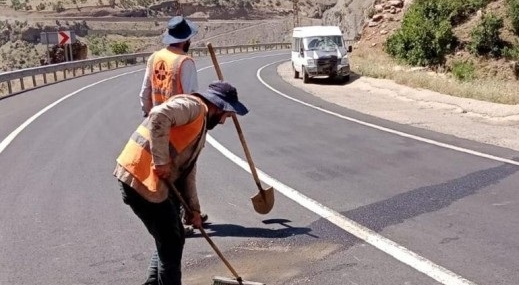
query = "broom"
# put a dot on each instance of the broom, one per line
(217, 280)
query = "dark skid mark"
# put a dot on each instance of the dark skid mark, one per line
(427, 199)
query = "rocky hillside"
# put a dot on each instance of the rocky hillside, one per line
(475, 39)
(104, 23)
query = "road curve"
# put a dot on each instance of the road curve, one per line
(62, 220)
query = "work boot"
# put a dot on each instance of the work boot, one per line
(188, 230)
(204, 217)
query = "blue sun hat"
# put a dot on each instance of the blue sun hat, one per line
(179, 30)
(224, 96)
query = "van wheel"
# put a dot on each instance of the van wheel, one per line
(296, 73)
(306, 78)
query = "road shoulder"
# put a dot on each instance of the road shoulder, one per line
(484, 122)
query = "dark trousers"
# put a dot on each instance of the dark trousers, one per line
(163, 222)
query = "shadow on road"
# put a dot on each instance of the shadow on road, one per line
(225, 230)
(333, 81)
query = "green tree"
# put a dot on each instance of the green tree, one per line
(486, 37)
(425, 36)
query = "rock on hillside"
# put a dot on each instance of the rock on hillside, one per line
(349, 15)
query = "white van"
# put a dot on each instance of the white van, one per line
(320, 51)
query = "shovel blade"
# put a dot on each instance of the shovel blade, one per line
(263, 201)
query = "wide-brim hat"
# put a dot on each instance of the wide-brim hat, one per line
(179, 30)
(225, 97)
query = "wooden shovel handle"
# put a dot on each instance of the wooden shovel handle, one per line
(236, 122)
(202, 231)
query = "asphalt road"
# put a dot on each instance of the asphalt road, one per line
(355, 205)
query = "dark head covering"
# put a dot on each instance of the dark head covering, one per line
(179, 30)
(224, 96)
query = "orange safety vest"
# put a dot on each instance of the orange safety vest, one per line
(166, 80)
(136, 156)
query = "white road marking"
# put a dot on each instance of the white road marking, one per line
(397, 251)
(384, 129)
(400, 253)
(9, 139)
(380, 242)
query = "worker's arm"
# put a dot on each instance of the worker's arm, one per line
(191, 197)
(189, 76)
(191, 191)
(177, 112)
(145, 94)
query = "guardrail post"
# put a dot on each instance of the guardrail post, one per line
(129, 59)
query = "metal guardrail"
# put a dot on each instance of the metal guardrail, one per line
(13, 82)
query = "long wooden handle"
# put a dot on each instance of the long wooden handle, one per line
(202, 231)
(236, 122)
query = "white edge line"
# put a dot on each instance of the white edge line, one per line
(380, 242)
(397, 251)
(423, 265)
(384, 129)
(9, 139)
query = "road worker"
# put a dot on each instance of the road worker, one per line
(164, 150)
(170, 71)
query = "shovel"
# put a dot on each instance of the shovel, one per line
(216, 280)
(263, 201)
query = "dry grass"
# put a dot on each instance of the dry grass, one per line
(375, 63)
(494, 81)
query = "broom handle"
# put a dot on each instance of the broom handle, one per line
(236, 122)
(202, 231)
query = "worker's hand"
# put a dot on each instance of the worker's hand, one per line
(194, 219)
(162, 171)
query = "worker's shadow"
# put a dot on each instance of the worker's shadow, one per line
(226, 230)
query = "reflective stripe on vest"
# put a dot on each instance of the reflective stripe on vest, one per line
(166, 80)
(136, 156)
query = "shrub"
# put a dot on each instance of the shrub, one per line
(511, 52)
(16, 5)
(58, 7)
(417, 42)
(426, 36)
(513, 12)
(40, 7)
(463, 70)
(485, 37)
(97, 45)
(120, 48)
